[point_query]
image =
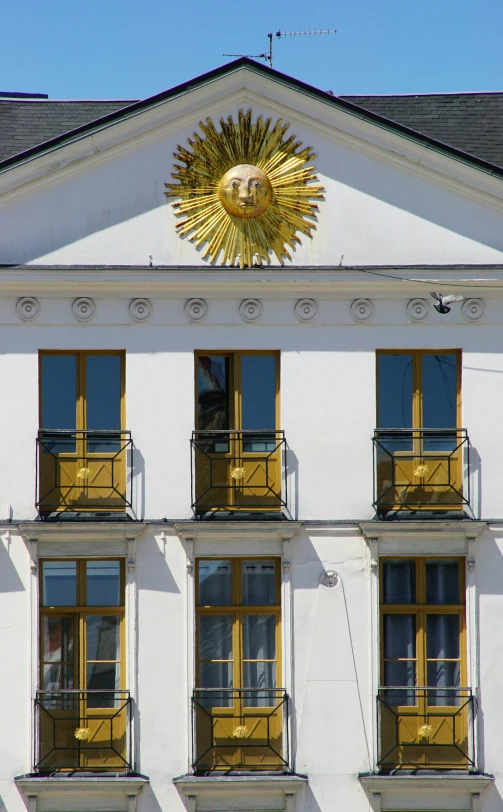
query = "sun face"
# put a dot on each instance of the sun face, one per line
(244, 191)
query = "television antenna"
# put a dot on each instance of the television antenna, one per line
(267, 57)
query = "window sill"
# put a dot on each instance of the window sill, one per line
(471, 782)
(83, 792)
(193, 784)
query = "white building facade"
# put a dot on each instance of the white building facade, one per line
(251, 524)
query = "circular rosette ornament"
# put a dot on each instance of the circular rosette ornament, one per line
(244, 191)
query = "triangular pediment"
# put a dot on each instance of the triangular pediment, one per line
(97, 195)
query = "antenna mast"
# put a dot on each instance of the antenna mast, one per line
(278, 34)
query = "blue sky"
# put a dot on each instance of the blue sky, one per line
(130, 49)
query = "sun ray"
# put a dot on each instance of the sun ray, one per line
(279, 204)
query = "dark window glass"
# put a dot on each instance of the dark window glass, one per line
(103, 400)
(394, 401)
(399, 658)
(103, 583)
(215, 583)
(59, 583)
(59, 397)
(213, 392)
(258, 391)
(439, 391)
(399, 581)
(442, 581)
(213, 406)
(399, 637)
(259, 583)
(394, 390)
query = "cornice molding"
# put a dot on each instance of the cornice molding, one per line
(209, 531)
(413, 530)
(270, 282)
(75, 532)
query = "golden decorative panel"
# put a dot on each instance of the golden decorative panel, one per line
(244, 190)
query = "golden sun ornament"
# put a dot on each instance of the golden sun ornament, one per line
(244, 190)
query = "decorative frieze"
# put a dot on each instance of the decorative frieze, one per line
(250, 309)
(83, 309)
(140, 309)
(418, 309)
(306, 309)
(196, 309)
(362, 309)
(27, 308)
(473, 309)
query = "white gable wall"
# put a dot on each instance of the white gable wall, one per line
(379, 209)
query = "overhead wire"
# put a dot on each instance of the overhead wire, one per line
(426, 282)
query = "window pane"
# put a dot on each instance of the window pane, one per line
(103, 400)
(259, 637)
(215, 583)
(259, 583)
(57, 633)
(59, 399)
(103, 642)
(400, 673)
(59, 391)
(442, 637)
(399, 581)
(215, 637)
(399, 636)
(444, 675)
(59, 583)
(215, 675)
(213, 392)
(442, 581)
(394, 391)
(103, 583)
(105, 676)
(258, 389)
(439, 390)
(259, 675)
(57, 678)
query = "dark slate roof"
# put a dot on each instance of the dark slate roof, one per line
(27, 123)
(472, 122)
(466, 126)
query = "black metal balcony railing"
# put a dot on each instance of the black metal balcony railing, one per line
(84, 730)
(426, 728)
(236, 729)
(417, 469)
(236, 470)
(81, 470)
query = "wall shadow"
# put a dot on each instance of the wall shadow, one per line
(136, 473)
(9, 578)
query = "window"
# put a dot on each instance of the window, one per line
(238, 702)
(423, 702)
(82, 663)
(418, 442)
(82, 442)
(238, 448)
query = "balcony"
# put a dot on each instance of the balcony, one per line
(238, 471)
(421, 469)
(240, 729)
(426, 728)
(83, 471)
(83, 730)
